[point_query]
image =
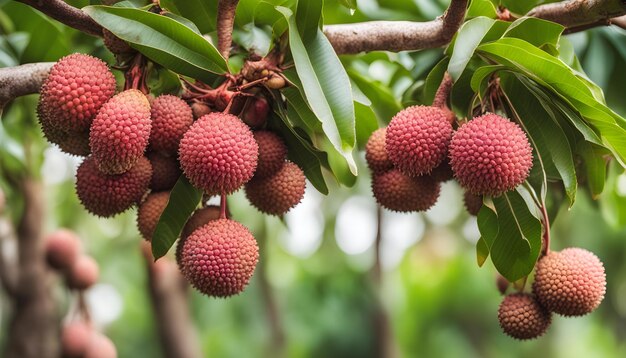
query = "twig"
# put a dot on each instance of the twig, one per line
(22, 80)
(443, 92)
(225, 22)
(619, 22)
(577, 13)
(66, 14)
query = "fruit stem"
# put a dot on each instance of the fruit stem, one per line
(223, 206)
(82, 307)
(441, 96)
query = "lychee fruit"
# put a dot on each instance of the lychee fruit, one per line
(255, 114)
(272, 153)
(200, 109)
(116, 45)
(218, 153)
(375, 153)
(77, 86)
(219, 258)
(490, 155)
(107, 195)
(199, 218)
(62, 249)
(150, 212)
(417, 139)
(119, 133)
(83, 273)
(399, 192)
(75, 337)
(165, 171)
(472, 202)
(171, 118)
(443, 172)
(502, 284)
(100, 346)
(571, 282)
(522, 317)
(70, 142)
(277, 194)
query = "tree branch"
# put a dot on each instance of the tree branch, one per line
(22, 80)
(397, 35)
(225, 22)
(619, 22)
(576, 13)
(66, 14)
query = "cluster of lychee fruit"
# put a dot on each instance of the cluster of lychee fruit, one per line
(137, 147)
(420, 148)
(570, 283)
(79, 339)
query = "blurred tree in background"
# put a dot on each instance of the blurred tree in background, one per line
(338, 276)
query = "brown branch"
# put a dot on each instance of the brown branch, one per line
(22, 80)
(443, 92)
(619, 22)
(168, 294)
(397, 35)
(66, 14)
(577, 13)
(225, 22)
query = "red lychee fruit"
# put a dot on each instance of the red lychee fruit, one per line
(218, 153)
(77, 86)
(522, 317)
(571, 282)
(443, 172)
(62, 249)
(70, 142)
(119, 133)
(171, 118)
(219, 258)
(107, 195)
(255, 114)
(150, 212)
(277, 194)
(75, 337)
(272, 153)
(490, 155)
(200, 109)
(502, 284)
(375, 153)
(100, 346)
(417, 139)
(399, 192)
(165, 171)
(83, 273)
(472, 202)
(199, 218)
(116, 45)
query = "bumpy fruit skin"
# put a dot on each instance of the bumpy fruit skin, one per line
(107, 195)
(199, 218)
(255, 113)
(115, 44)
(279, 193)
(272, 153)
(443, 172)
(75, 337)
(218, 154)
(399, 192)
(522, 317)
(165, 171)
(571, 282)
(472, 202)
(100, 346)
(83, 274)
(120, 132)
(150, 212)
(490, 155)
(77, 86)
(417, 139)
(62, 249)
(70, 142)
(171, 118)
(375, 153)
(219, 258)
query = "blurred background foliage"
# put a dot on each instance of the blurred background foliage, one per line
(320, 262)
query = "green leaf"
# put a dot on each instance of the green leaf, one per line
(433, 80)
(201, 12)
(594, 164)
(326, 87)
(487, 220)
(481, 8)
(163, 40)
(518, 243)
(308, 15)
(350, 4)
(183, 200)
(253, 39)
(535, 31)
(482, 252)
(480, 78)
(384, 103)
(366, 123)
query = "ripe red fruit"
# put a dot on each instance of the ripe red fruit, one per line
(472, 202)
(399, 192)
(219, 258)
(165, 171)
(218, 153)
(119, 133)
(171, 118)
(83, 273)
(277, 194)
(571, 282)
(115, 44)
(522, 317)
(443, 172)
(75, 337)
(199, 218)
(150, 212)
(272, 153)
(200, 109)
(77, 86)
(100, 346)
(375, 153)
(490, 155)
(255, 114)
(70, 142)
(107, 195)
(417, 139)
(62, 249)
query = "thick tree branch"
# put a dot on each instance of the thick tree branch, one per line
(397, 35)
(576, 13)
(225, 22)
(66, 14)
(22, 80)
